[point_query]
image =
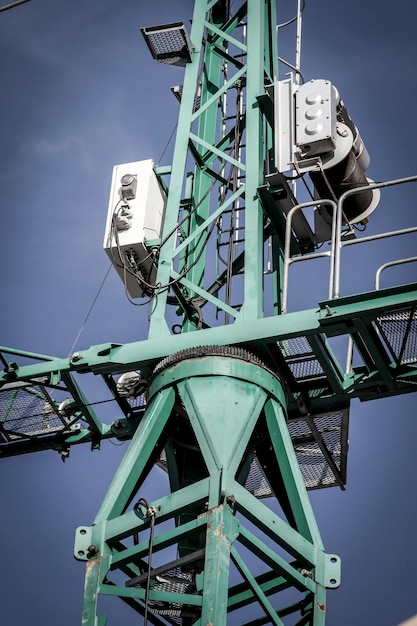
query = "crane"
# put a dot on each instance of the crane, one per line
(236, 405)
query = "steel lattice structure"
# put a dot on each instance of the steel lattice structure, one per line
(235, 404)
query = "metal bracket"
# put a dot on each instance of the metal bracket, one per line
(332, 571)
(82, 545)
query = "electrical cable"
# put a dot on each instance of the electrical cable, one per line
(123, 264)
(89, 311)
(356, 227)
(150, 514)
(292, 67)
(310, 193)
(293, 19)
(168, 142)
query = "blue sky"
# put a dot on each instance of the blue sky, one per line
(80, 93)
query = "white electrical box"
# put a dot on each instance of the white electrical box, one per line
(305, 123)
(315, 117)
(135, 216)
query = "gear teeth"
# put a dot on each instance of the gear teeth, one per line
(203, 351)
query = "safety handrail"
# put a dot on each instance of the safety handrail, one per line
(287, 248)
(336, 239)
(383, 267)
(339, 218)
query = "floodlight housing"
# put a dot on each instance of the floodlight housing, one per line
(169, 43)
(177, 91)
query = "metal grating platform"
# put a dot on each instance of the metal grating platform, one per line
(45, 413)
(29, 410)
(301, 359)
(176, 580)
(321, 446)
(399, 330)
(177, 577)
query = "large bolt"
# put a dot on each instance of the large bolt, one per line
(92, 551)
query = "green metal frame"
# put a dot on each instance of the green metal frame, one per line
(224, 400)
(220, 403)
(226, 149)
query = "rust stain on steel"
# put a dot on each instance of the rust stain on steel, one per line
(90, 564)
(89, 567)
(322, 607)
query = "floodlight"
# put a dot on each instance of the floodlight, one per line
(169, 43)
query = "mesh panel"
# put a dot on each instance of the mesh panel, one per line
(313, 464)
(165, 42)
(314, 467)
(256, 483)
(137, 403)
(300, 358)
(28, 411)
(176, 580)
(400, 332)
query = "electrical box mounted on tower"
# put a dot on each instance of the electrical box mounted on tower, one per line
(314, 133)
(134, 219)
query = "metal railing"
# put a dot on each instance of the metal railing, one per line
(288, 260)
(383, 267)
(337, 242)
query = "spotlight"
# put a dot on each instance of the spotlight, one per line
(169, 43)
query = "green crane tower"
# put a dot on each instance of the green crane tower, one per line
(243, 403)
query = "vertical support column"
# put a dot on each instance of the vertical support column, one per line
(253, 286)
(158, 324)
(91, 585)
(222, 530)
(208, 126)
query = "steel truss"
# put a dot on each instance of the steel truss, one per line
(231, 410)
(268, 409)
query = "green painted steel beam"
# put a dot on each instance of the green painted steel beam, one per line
(123, 526)
(292, 477)
(164, 540)
(279, 565)
(218, 153)
(256, 588)
(158, 325)
(372, 303)
(208, 221)
(252, 308)
(272, 525)
(332, 318)
(370, 345)
(161, 596)
(129, 475)
(222, 530)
